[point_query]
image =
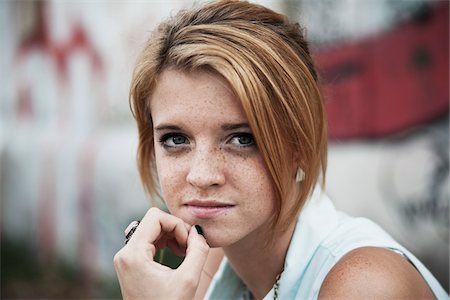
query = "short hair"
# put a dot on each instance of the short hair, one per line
(266, 61)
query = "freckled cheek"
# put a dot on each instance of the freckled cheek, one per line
(264, 192)
(255, 180)
(167, 183)
(170, 179)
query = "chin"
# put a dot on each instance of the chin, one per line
(215, 243)
(216, 238)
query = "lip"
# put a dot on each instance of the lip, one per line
(207, 209)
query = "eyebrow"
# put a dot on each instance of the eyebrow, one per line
(167, 127)
(228, 127)
(225, 127)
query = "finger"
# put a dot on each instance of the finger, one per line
(155, 224)
(176, 248)
(196, 254)
(170, 242)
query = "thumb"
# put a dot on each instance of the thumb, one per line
(196, 254)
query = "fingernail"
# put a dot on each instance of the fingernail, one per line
(199, 230)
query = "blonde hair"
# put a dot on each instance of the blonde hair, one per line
(266, 61)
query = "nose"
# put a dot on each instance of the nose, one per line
(206, 169)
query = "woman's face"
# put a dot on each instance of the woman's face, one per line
(210, 170)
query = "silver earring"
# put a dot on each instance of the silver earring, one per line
(300, 175)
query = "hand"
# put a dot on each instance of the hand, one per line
(140, 277)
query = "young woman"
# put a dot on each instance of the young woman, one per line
(232, 136)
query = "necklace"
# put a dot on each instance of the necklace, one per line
(276, 285)
(247, 294)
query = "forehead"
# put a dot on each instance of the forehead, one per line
(195, 96)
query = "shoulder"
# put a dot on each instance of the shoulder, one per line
(372, 272)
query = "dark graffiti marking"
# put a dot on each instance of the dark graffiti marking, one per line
(430, 202)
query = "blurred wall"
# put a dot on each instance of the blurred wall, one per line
(384, 67)
(68, 180)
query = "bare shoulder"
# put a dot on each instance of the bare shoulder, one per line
(376, 273)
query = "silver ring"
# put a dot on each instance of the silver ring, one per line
(130, 230)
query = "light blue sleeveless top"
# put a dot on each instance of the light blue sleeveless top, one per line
(322, 236)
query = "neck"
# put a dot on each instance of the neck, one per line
(258, 264)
